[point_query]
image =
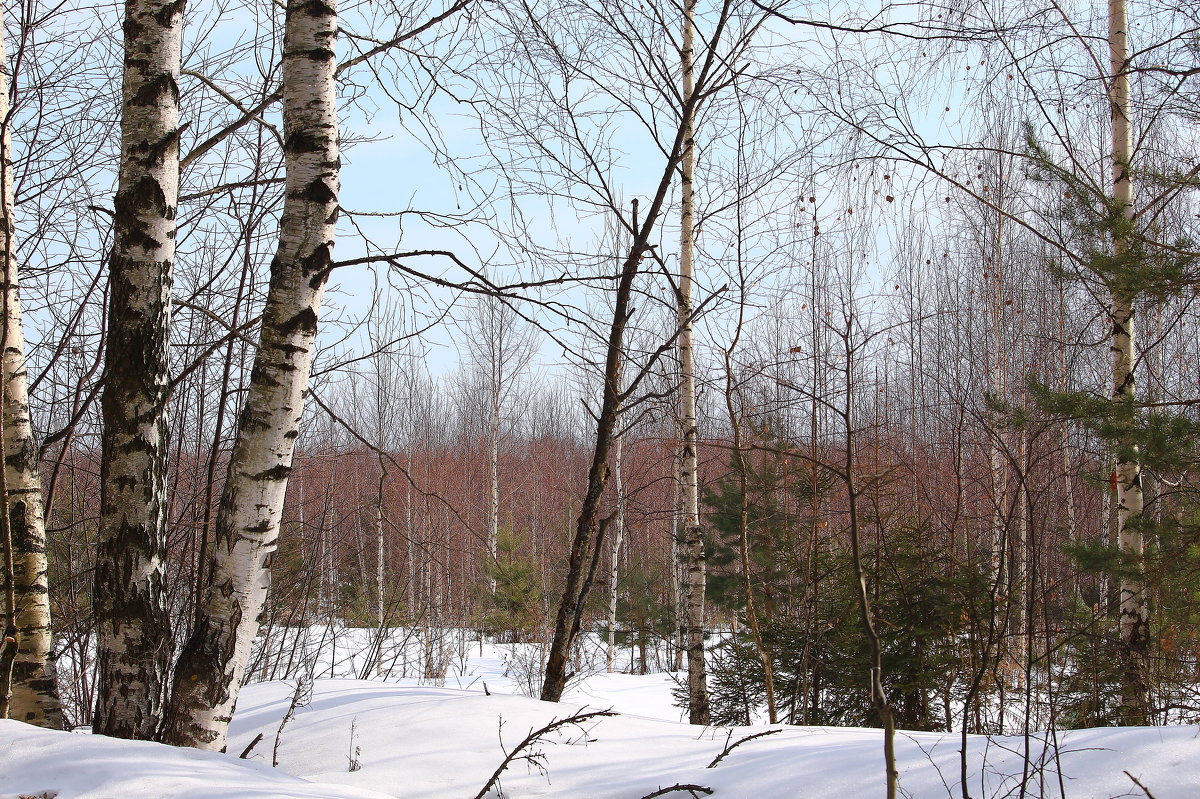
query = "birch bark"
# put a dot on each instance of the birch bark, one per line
(693, 550)
(209, 674)
(614, 565)
(133, 646)
(1134, 613)
(34, 691)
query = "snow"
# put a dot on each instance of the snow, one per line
(43, 763)
(420, 741)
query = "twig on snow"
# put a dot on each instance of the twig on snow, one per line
(246, 752)
(729, 747)
(692, 789)
(1138, 783)
(536, 759)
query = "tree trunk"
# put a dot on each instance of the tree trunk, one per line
(614, 566)
(493, 520)
(587, 543)
(33, 691)
(209, 674)
(879, 699)
(679, 622)
(588, 539)
(741, 468)
(133, 648)
(1135, 617)
(693, 549)
(380, 575)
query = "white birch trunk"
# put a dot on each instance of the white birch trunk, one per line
(493, 521)
(677, 580)
(614, 566)
(380, 559)
(34, 692)
(208, 677)
(1135, 616)
(698, 709)
(133, 646)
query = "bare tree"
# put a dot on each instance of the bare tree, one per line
(32, 694)
(692, 548)
(134, 630)
(1134, 608)
(499, 346)
(209, 674)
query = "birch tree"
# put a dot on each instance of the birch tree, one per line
(499, 348)
(133, 626)
(1134, 610)
(692, 549)
(31, 691)
(209, 674)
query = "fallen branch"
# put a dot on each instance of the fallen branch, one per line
(536, 758)
(1138, 783)
(729, 747)
(246, 752)
(692, 789)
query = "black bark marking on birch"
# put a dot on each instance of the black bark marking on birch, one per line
(145, 194)
(259, 375)
(315, 9)
(22, 459)
(275, 473)
(20, 530)
(287, 349)
(318, 261)
(156, 154)
(321, 275)
(133, 30)
(166, 16)
(150, 93)
(303, 322)
(318, 191)
(318, 54)
(303, 141)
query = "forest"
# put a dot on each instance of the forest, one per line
(837, 360)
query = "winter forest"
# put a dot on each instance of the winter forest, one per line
(798, 399)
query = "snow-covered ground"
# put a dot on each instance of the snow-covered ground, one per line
(358, 739)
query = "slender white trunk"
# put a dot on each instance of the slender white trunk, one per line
(133, 642)
(209, 675)
(1019, 589)
(677, 600)
(493, 531)
(380, 557)
(410, 532)
(698, 710)
(1135, 616)
(34, 692)
(614, 566)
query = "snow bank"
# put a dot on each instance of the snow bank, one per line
(437, 743)
(60, 765)
(357, 739)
